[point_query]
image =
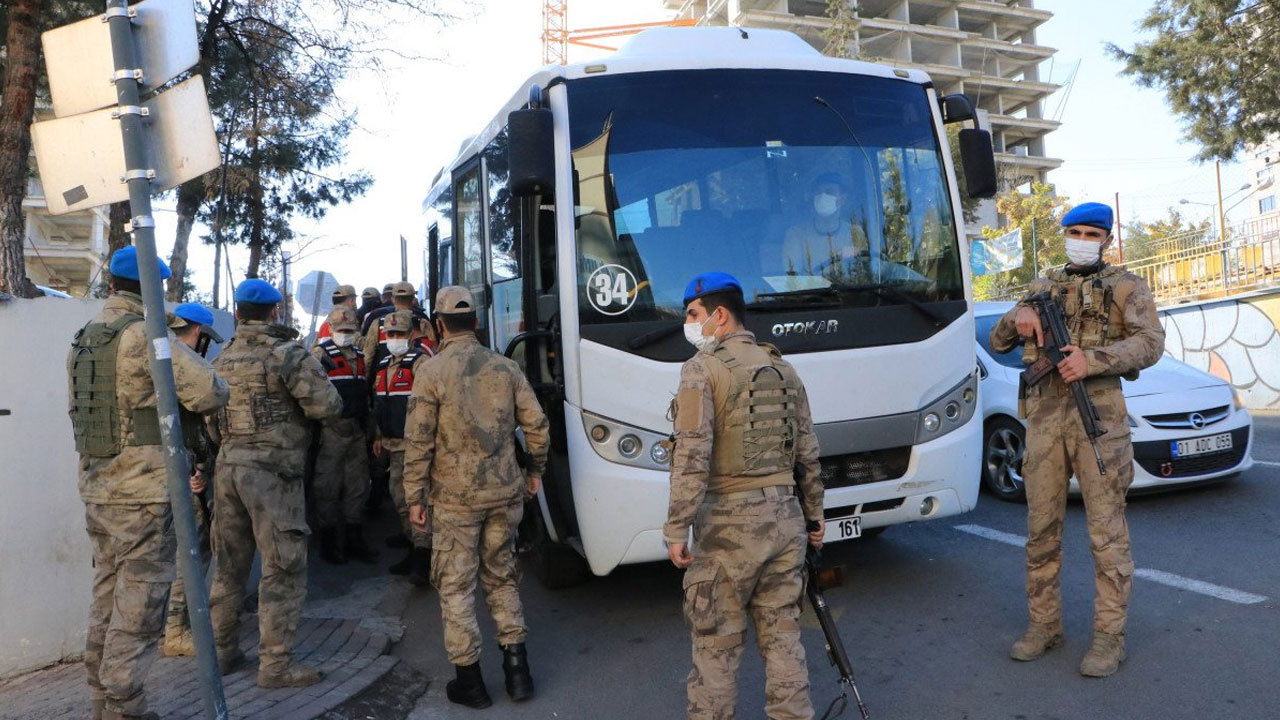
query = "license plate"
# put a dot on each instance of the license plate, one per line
(844, 528)
(1201, 445)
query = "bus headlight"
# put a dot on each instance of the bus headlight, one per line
(957, 405)
(634, 446)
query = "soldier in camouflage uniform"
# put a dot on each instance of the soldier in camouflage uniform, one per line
(192, 325)
(460, 458)
(122, 484)
(342, 467)
(743, 442)
(393, 384)
(1115, 333)
(276, 387)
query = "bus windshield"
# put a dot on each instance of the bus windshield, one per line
(811, 188)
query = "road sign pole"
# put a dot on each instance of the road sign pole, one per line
(137, 172)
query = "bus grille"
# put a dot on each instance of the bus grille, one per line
(865, 467)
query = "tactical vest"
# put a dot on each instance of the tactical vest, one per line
(392, 391)
(1093, 305)
(347, 380)
(757, 415)
(259, 398)
(101, 429)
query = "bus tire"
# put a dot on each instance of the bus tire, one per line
(556, 565)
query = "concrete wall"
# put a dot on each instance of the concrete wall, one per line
(1235, 339)
(45, 567)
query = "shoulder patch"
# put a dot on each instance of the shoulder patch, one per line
(688, 409)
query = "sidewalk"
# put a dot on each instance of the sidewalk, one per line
(350, 621)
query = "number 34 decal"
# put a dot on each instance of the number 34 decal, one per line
(612, 289)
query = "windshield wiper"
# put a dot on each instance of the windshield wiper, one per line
(828, 295)
(646, 339)
(891, 291)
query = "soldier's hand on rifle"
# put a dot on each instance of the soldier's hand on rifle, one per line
(418, 518)
(680, 555)
(1075, 366)
(198, 481)
(815, 536)
(531, 486)
(1027, 321)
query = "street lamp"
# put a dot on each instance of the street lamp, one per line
(1213, 222)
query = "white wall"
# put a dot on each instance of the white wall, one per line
(45, 568)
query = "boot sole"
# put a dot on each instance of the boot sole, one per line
(1054, 643)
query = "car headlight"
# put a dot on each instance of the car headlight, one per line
(950, 411)
(625, 444)
(1132, 422)
(1237, 400)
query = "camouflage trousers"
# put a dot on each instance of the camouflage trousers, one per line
(177, 617)
(476, 543)
(396, 485)
(1057, 447)
(133, 554)
(259, 508)
(748, 562)
(341, 483)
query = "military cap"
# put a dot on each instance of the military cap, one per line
(343, 317)
(343, 292)
(1090, 213)
(398, 321)
(197, 314)
(257, 291)
(386, 289)
(710, 282)
(454, 300)
(370, 293)
(124, 264)
(402, 289)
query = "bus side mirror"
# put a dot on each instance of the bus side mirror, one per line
(979, 163)
(531, 152)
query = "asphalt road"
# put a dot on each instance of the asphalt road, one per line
(928, 617)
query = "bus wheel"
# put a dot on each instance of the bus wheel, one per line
(556, 565)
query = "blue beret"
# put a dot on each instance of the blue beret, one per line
(124, 264)
(710, 282)
(194, 313)
(1090, 213)
(258, 291)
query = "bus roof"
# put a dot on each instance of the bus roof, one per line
(693, 48)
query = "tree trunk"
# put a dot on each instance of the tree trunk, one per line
(257, 217)
(116, 236)
(17, 107)
(190, 196)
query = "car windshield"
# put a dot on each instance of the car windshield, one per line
(983, 325)
(806, 186)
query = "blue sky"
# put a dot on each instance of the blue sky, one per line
(1116, 136)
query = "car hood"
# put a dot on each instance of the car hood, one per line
(1169, 376)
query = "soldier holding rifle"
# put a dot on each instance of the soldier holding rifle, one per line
(1114, 332)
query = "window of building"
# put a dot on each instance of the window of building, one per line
(1267, 204)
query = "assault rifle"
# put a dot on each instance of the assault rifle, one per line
(819, 580)
(1054, 323)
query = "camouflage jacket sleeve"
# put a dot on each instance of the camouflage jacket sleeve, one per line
(200, 389)
(810, 476)
(537, 434)
(694, 418)
(420, 436)
(1004, 334)
(369, 348)
(309, 385)
(1143, 341)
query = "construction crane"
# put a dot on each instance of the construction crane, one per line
(557, 37)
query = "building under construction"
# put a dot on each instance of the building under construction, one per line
(984, 48)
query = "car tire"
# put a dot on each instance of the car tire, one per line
(1004, 443)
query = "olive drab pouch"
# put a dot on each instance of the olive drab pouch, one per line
(95, 408)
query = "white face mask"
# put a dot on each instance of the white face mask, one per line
(693, 333)
(398, 346)
(343, 339)
(825, 204)
(1083, 253)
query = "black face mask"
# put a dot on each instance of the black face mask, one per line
(202, 344)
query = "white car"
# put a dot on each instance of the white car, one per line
(1188, 426)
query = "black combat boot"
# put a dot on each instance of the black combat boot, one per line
(515, 664)
(420, 566)
(399, 540)
(330, 548)
(404, 566)
(357, 548)
(468, 688)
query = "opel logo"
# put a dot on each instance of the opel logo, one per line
(1196, 419)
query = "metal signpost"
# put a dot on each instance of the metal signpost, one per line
(84, 163)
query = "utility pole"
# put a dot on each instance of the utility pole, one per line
(1222, 216)
(138, 173)
(1119, 225)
